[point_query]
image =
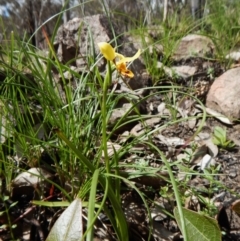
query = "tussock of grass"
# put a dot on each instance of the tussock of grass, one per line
(72, 122)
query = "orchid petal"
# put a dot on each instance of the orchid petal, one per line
(120, 56)
(128, 73)
(127, 59)
(107, 51)
(124, 70)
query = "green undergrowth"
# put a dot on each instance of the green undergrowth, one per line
(42, 111)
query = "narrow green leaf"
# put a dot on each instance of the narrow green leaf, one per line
(122, 228)
(199, 227)
(13, 204)
(50, 204)
(91, 206)
(69, 224)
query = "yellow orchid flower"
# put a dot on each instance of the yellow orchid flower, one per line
(118, 59)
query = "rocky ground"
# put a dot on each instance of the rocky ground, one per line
(198, 76)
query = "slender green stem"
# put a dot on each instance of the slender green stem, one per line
(106, 84)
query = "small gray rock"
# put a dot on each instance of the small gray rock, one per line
(193, 45)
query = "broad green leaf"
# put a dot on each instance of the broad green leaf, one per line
(69, 224)
(199, 227)
(220, 132)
